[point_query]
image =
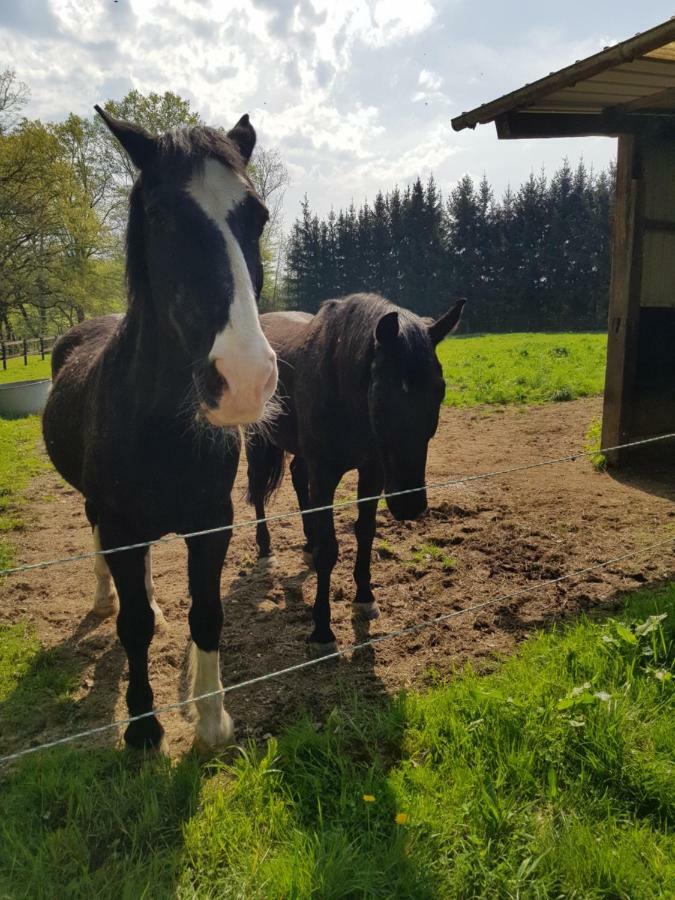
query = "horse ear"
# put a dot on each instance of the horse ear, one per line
(139, 143)
(447, 323)
(243, 135)
(386, 329)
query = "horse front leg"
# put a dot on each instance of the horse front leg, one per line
(135, 628)
(206, 556)
(370, 485)
(325, 553)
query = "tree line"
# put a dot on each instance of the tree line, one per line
(536, 260)
(64, 188)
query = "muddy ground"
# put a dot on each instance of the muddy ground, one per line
(492, 537)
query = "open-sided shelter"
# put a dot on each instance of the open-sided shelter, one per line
(627, 91)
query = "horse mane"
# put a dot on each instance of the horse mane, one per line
(354, 317)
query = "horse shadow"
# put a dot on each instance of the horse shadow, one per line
(41, 704)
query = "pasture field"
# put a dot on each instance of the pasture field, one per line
(17, 371)
(492, 369)
(550, 777)
(522, 368)
(527, 751)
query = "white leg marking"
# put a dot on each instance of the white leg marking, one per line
(214, 726)
(160, 621)
(105, 595)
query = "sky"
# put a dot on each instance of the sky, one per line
(356, 94)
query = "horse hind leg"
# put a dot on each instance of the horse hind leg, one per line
(160, 621)
(106, 602)
(300, 479)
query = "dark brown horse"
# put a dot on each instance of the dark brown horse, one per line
(134, 420)
(360, 387)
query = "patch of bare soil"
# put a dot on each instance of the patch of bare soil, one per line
(493, 537)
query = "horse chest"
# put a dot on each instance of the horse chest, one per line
(167, 481)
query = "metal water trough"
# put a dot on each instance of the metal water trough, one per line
(23, 398)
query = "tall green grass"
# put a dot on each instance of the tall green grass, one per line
(522, 368)
(550, 777)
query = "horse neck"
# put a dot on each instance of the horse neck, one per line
(156, 366)
(352, 355)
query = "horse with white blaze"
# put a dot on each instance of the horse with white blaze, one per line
(140, 413)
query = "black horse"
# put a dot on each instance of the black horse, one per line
(360, 387)
(136, 413)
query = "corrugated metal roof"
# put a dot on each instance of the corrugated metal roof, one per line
(637, 69)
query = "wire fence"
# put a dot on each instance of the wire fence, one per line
(353, 648)
(350, 649)
(292, 513)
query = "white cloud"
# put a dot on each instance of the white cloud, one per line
(358, 95)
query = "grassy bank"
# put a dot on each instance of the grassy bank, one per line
(551, 777)
(522, 368)
(17, 371)
(20, 459)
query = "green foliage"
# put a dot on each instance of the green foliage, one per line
(550, 777)
(522, 368)
(592, 445)
(20, 459)
(64, 191)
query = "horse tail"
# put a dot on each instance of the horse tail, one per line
(266, 466)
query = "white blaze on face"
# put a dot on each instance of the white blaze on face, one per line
(240, 352)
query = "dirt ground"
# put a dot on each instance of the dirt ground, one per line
(495, 536)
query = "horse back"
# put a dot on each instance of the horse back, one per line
(89, 336)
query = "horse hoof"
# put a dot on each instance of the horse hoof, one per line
(366, 611)
(268, 562)
(146, 735)
(317, 650)
(211, 736)
(308, 559)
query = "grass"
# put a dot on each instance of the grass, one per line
(17, 371)
(550, 777)
(19, 461)
(522, 368)
(593, 443)
(423, 556)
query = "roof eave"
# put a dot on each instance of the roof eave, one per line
(626, 51)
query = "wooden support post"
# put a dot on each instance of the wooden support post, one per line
(42, 347)
(25, 352)
(4, 355)
(624, 298)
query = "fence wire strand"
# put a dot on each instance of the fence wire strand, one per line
(292, 513)
(352, 648)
